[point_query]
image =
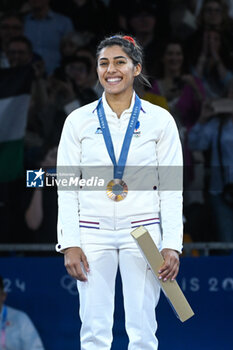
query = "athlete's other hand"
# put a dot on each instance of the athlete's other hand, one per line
(76, 263)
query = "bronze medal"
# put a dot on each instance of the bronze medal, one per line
(117, 190)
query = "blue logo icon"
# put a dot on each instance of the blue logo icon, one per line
(35, 178)
(137, 125)
(137, 132)
(98, 131)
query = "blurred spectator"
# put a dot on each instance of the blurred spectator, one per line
(71, 42)
(64, 91)
(229, 3)
(15, 92)
(17, 329)
(183, 92)
(92, 81)
(212, 64)
(45, 119)
(142, 21)
(213, 16)
(41, 203)
(120, 11)
(11, 25)
(76, 72)
(19, 51)
(214, 133)
(183, 18)
(17, 84)
(45, 30)
(117, 16)
(187, 16)
(75, 44)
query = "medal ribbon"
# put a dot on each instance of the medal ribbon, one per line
(3, 327)
(120, 166)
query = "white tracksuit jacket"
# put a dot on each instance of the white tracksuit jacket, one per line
(156, 143)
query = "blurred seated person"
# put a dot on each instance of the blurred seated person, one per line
(11, 25)
(45, 29)
(213, 134)
(17, 329)
(213, 64)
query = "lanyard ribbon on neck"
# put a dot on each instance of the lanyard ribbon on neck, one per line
(120, 166)
(3, 327)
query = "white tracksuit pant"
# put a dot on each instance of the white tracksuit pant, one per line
(140, 291)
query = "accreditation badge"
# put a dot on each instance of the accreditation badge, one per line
(117, 190)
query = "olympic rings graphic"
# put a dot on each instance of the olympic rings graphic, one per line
(70, 284)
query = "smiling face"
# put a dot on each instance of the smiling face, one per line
(116, 70)
(173, 57)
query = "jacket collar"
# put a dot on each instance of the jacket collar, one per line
(108, 109)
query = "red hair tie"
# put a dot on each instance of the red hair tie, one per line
(130, 39)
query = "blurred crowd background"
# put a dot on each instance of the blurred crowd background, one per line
(48, 69)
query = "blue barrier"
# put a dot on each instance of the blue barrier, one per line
(41, 287)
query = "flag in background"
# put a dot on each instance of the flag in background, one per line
(15, 89)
